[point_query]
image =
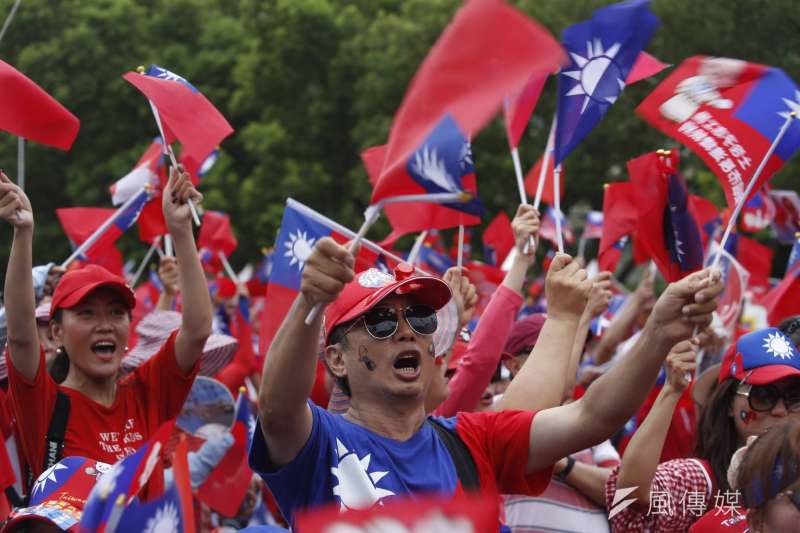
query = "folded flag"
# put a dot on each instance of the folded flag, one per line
(498, 239)
(707, 216)
(603, 51)
(26, 110)
(186, 115)
(735, 279)
(665, 227)
(794, 255)
(644, 67)
(728, 112)
(619, 221)
(787, 214)
(488, 51)
(148, 172)
(548, 227)
(757, 213)
(548, 189)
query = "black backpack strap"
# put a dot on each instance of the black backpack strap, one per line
(465, 465)
(54, 440)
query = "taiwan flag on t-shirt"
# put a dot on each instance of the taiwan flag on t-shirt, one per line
(301, 228)
(728, 112)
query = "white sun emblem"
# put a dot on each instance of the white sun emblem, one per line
(465, 156)
(792, 105)
(778, 345)
(165, 520)
(429, 167)
(299, 249)
(107, 482)
(592, 69)
(357, 488)
(47, 475)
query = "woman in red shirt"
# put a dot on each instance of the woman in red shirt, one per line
(107, 419)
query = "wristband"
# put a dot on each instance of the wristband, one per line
(567, 469)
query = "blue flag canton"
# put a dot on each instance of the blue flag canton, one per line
(244, 416)
(602, 50)
(767, 106)
(434, 260)
(681, 235)
(767, 347)
(158, 72)
(442, 160)
(130, 215)
(794, 255)
(161, 514)
(296, 240)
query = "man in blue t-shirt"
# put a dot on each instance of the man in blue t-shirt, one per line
(378, 336)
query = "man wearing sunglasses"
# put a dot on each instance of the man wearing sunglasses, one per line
(378, 340)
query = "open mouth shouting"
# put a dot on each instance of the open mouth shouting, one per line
(407, 365)
(104, 349)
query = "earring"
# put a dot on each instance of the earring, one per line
(60, 350)
(126, 348)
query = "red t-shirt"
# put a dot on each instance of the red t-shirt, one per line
(146, 398)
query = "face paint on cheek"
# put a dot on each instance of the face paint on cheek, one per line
(363, 356)
(746, 416)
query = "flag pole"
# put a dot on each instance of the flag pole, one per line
(414, 253)
(102, 229)
(143, 264)
(168, 150)
(582, 244)
(523, 198)
(460, 258)
(168, 245)
(557, 207)
(21, 162)
(740, 204)
(228, 269)
(9, 18)
(545, 163)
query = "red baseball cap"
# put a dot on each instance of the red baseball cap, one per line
(76, 284)
(524, 333)
(761, 357)
(371, 286)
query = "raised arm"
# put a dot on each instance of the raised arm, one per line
(541, 380)
(291, 364)
(23, 339)
(615, 397)
(196, 311)
(622, 325)
(479, 362)
(170, 280)
(644, 451)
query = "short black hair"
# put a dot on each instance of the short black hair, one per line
(338, 335)
(791, 328)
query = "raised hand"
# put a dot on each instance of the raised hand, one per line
(14, 204)
(177, 193)
(464, 293)
(599, 295)
(567, 288)
(169, 275)
(686, 304)
(328, 269)
(526, 227)
(681, 362)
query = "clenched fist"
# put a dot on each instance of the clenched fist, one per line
(567, 288)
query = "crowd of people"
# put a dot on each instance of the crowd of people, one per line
(362, 405)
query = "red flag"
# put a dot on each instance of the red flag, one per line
(498, 239)
(486, 279)
(756, 258)
(216, 234)
(784, 300)
(728, 112)
(79, 223)
(186, 115)
(619, 220)
(532, 181)
(412, 217)
(665, 227)
(707, 216)
(517, 109)
(463, 513)
(488, 51)
(151, 221)
(26, 110)
(644, 67)
(183, 482)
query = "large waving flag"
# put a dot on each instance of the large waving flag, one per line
(186, 115)
(728, 112)
(227, 484)
(665, 227)
(517, 109)
(488, 51)
(26, 110)
(412, 217)
(619, 221)
(301, 228)
(603, 51)
(123, 482)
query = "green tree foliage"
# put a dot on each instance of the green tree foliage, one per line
(309, 84)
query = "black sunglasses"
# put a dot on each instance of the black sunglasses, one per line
(382, 322)
(765, 397)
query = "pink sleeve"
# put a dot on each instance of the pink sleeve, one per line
(483, 353)
(676, 485)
